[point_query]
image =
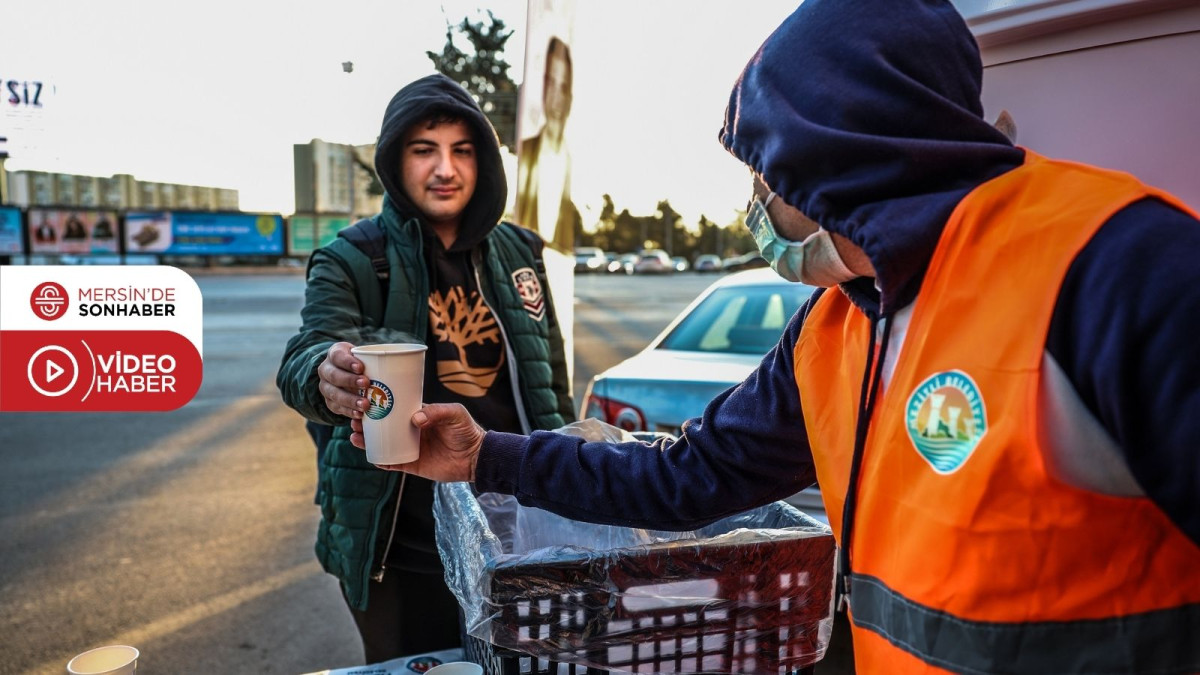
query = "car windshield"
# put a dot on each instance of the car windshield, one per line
(738, 320)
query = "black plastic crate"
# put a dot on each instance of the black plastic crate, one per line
(764, 599)
(499, 661)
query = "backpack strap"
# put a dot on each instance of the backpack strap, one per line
(535, 243)
(367, 236)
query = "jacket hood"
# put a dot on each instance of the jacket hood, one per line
(416, 102)
(866, 117)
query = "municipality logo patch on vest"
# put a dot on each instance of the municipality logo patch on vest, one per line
(381, 400)
(945, 419)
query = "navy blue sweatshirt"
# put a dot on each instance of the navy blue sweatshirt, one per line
(866, 117)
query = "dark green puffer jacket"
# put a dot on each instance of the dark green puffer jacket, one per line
(343, 303)
(352, 492)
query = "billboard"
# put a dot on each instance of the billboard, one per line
(72, 231)
(10, 231)
(182, 233)
(304, 237)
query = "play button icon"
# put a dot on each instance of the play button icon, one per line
(49, 368)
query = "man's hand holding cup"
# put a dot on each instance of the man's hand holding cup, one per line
(450, 443)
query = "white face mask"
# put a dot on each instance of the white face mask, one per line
(814, 261)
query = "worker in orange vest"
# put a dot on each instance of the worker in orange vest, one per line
(998, 391)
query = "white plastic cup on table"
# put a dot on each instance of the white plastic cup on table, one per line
(396, 374)
(456, 668)
(110, 660)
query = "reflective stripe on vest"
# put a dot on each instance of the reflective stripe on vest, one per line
(1161, 641)
(958, 522)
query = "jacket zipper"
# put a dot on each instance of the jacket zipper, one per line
(524, 419)
(378, 576)
(508, 351)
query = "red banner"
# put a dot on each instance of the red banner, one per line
(117, 370)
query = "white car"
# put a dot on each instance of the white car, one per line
(590, 259)
(716, 342)
(654, 261)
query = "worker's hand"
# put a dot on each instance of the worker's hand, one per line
(450, 442)
(342, 382)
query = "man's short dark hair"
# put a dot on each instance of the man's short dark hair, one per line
(559, 47)
(442, 116)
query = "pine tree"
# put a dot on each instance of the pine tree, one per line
(484, 73)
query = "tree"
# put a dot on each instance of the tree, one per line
(624, 231)
(484, 73)
(670, 222)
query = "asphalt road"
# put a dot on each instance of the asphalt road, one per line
(189, 534)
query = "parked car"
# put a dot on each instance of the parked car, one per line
(707, 263)
(623, 263)
(654, 261)
(717, 341)
(745, 261)
(680, 263)
(590, 259)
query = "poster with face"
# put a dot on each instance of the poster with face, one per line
(72, 231)
(543, 196)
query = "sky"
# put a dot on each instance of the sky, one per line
(216, 93)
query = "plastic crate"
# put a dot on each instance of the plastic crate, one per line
(499, 661)
(750, 603)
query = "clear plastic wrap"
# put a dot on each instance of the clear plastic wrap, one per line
(751, 593)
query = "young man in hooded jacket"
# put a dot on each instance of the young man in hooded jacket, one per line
(998, 393)
(449, 259)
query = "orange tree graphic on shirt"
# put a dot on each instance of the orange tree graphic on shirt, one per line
(465, 322)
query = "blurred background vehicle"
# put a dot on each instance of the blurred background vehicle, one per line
(745, 261)
(710, 346)
(654, 261)
(680, 263)
(707, 263)
(623, 263)
(590, 259)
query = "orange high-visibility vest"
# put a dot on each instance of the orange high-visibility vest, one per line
(966, 554)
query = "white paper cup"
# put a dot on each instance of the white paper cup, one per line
(111, 660)
(397, 375)
(456, 668)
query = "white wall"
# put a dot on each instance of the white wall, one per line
(1117, 87)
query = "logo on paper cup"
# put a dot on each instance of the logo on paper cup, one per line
(381, 400)
(422, 664)
(49, 301)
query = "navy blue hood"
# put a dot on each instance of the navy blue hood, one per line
(437, 95)
(865, 115)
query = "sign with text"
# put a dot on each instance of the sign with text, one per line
(99, 338)
(187, 233)
(27, 107)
